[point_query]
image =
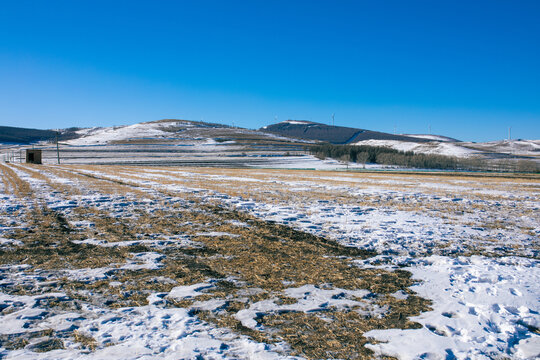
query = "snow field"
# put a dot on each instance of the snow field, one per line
(488, 306)
(484, 308)
(482, 280)
(137, 332)
(435, 147)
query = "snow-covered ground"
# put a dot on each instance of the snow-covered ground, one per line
(442, 146)
(512, 147)
(434, 147)
(471, 243)
(94, 136)
(483, 308)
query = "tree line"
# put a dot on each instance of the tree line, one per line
(387, 156)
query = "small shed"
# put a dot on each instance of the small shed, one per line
(33, 156)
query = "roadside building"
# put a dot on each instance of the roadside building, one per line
(33, 156)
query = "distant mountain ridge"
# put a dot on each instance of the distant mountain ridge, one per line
(333, 134)
(16, 135)
(292, 129)
(213, 141)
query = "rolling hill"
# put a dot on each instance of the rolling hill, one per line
(195, 143)
(24, 136)
(333, 134)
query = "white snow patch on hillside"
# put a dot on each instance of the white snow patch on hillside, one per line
(513, 147)
(430, 137)
(296, 122)
(434, 147)
(96, 136)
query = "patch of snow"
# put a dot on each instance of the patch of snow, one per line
(482, 308)
(189, 291)
(310, 299)
(4, 241)
(145, 332)
(102, 136)
(182, 241)
(512, 147)
(311, 162)
(217, 234)
(145, 260)
(434, 147)
(296, 122)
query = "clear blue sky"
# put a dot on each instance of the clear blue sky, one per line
(469, 69)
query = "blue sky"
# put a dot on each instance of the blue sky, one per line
(468, 69)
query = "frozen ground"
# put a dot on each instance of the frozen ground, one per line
(471, 245)
(435, 147)
(504, 149)
(513, 147)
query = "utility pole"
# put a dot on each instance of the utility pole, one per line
(57, 149)
(509, 133)
(333, 114)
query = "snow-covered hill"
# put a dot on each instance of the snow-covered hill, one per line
(329, 133)
(173, 142)
(512, 147)
(194, 143)
(173, 131)
(493, 149)
(433, 147)
(97, 135)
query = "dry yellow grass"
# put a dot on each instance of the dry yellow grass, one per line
(14, 183)
(256, 255)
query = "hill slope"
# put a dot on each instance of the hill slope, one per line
(194, 143)
(16, 135)
(332, 134)
(173, 131)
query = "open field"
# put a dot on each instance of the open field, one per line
(162, 262)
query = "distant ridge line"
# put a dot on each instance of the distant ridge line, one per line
(333, 134)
